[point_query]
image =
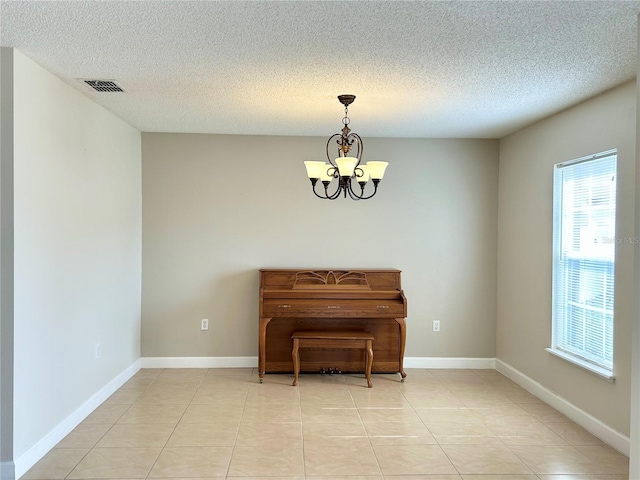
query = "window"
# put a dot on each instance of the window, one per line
(584, 227)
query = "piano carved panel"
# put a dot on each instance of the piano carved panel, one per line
(370, 300)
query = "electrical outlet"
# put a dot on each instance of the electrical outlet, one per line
(98, 352)
(204, 324)
(436, 325)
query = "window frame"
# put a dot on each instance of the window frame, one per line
(560, 300)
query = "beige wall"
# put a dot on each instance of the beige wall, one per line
(217, 208)
(525, 251)
(634, 453)
(77, 250)
(7, 469)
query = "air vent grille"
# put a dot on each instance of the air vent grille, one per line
(104, 85)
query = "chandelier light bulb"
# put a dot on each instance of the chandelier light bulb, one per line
(327, 172)
(346, 165)
(376, 169)
(363, 176)
(314, 169)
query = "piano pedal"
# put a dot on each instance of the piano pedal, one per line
(337, 371)
(323, 370)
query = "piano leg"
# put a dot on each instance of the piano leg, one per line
(403, 337)
(262, 343)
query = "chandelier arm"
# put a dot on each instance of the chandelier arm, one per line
(352, 194)
(375, 189)
(359, 144)
(317, 195)
(335, 194)
(331, 160)
(326, 196)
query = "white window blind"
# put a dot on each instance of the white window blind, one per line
(584, 216)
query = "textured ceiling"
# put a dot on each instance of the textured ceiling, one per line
(418, 69)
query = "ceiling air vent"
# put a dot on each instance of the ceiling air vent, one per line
(104, 85)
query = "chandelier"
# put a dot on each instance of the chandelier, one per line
(351, 175)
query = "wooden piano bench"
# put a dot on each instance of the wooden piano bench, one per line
(332, 339)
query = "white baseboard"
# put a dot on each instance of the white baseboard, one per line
(29, 458)
(199, 362)
(252, 362)
(449, 362)
(590, 423)
(7, 471)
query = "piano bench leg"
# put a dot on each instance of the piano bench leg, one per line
(295, 354)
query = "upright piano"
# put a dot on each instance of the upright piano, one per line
(369, 300)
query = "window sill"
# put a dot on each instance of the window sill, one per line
(601, 372)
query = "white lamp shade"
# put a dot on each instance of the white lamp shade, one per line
(376, 169)
(326, 173)
(314, 169)
(365, 174)
(346, 165)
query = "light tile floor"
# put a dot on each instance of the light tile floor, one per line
(222, 423)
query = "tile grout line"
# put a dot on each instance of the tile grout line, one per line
(235, 440)
(434, 437)
(176, 425)
(304, 463)
(108, 430)
(162, 448)
(369, 436)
